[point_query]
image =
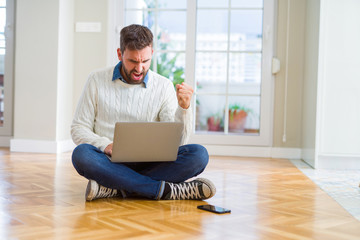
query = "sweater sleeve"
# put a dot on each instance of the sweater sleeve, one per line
(172, 112)
(82, 128)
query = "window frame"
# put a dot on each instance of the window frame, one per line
(264, 138)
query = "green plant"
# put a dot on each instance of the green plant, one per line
(233, 108)
(215, 122)
(236, 106)
(166, 66)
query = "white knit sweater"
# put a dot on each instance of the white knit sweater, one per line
(105, 102)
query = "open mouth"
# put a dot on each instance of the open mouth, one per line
(137, 76)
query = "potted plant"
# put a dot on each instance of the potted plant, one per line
(237, 117)
(214, 123)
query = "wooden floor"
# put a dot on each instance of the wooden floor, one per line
(42, 197)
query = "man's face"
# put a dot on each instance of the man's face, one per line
(135, 64)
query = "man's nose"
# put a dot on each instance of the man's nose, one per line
(139, 67)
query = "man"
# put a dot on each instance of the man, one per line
(131, 92)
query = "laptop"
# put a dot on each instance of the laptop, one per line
(146, 141)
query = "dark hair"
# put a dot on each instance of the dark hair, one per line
(135, 37)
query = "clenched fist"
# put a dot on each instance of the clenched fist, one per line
(184, 93)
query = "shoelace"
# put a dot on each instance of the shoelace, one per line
(182, 191)
(106, 192)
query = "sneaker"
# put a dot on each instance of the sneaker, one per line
(95, 191)
(197, 189)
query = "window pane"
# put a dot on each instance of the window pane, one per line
(210, 72)
(142, 17)
(172, 30)
(244, 114)
(246, 30)
(210, 113)
(139, 4)
(246, 3)
(245, 73)
(212, 3)
(212, 35)
(2, 100)
(2, 58)
(2, 43)
(2, 19)
(171, 65)
(162, 4)
(171, 34)
(173, 4)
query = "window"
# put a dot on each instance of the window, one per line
(224, 50)
(167, 21)
(2, 57)
(228, 66)
(6, 66)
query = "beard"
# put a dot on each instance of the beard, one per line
(129, 76)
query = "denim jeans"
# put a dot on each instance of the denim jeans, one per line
(142, 179)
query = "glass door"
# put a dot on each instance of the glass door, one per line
(224, 50)
(232, 72)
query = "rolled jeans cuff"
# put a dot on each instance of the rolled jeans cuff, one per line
(161, 190)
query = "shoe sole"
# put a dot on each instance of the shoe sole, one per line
(89, 195)
(209, 184)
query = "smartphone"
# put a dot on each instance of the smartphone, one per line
(215, 209)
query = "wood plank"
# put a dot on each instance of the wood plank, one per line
(42, 197)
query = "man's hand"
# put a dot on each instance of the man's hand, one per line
(184, 93)
(108, 149)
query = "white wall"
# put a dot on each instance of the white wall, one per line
(338, 114)
(36, 60)
(51, 67)
(90, 48)
(43, 76)
(295, 66)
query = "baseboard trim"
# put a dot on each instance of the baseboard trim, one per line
(339, 162)
(41, 146)
(242, 151)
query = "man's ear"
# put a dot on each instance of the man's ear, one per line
(119, 54)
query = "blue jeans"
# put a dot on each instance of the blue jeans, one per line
(143, 179)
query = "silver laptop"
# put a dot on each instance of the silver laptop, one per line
(146, 141)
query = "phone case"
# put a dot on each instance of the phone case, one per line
(214, 209)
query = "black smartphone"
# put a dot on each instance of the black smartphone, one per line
(215, 209)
